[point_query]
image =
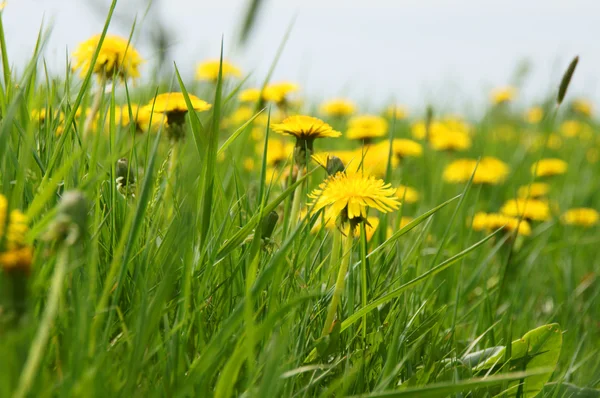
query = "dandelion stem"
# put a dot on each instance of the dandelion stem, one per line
(296, 202)
(339, 284)
(41, 338)
(363, 276)
(334, 259)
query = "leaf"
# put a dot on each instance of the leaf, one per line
(569, 390)
(538, 348)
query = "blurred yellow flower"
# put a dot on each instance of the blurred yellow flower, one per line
(338, 107)
(117, 57)
(549, 167)
(583, 216)
(278, 92)
(369, 160)
(451, 134)
(489, 171)
(209, 70)
(531, 209)
(407, 194)
(249, 95)
(402, 148)
(582, 107)
(305, 127)
(452, 140)
(399, 112)
(534, 115)
(278, 151)
(502, 95)
(534, 190)
(14, 251)
(175, 103)
(365, 127)
(249, 164)
(592, 155)
(351, 194)
(490, 222)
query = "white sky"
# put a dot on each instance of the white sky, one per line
(450, 52)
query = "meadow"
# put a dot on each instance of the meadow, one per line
(228, 237)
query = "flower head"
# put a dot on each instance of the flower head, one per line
(534, 190)
(531, 209)
(583, 216)
(249, 95)
(407, 194)
(402, 148)
(209, 70)
(489, 171)
(534, 115)
(117, 57)
(279, 92)
(347, 196)
(582, 107)
(173, 105)
(503, 95)
(338, 107)
(366, 127)
(549, 167)
(492, 221)
(14, 251)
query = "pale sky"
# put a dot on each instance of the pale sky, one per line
(450, 52)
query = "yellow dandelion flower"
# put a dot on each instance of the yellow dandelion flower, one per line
(249, 95)
(407, 194)
(338, 107)
(365, 127)
(534, 115)
(534, 190)
(351, 194)
(489, 171)
(582, 107)
(249, 164)
(117, 57)
(549, 167)
(531, 209)
(14, 252)
(403, 148)
(370, 160)
(305, 128)
(583, 216)
(400, 112)
(279, 92)
(502, 95)
(175, 103)
(278, 152)
(209, 70)
(451, 140)
(490, 222)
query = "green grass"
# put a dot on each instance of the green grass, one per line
(176, 292)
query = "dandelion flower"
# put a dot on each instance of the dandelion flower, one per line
(117, 57)
(306, 129)
(534, 190)
(249, 95)
(451, 140)
(582, 107)
(492, 221)
(348, 196)
(338, 107)
(534, 115)
(278, 152)
(209, 70)
(278, 93)
(14, 252)
(489, 171)
(407, 194)
(531, 209)
(366, 127)
(503, 95)
(370, 160)
(583, 216)
(175, 108)
(549, 167)
(403, 148)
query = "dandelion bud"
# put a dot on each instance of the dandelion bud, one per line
(124, 173)
(70, 223)
(334, 165)
(268, 224)
(566, 80)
